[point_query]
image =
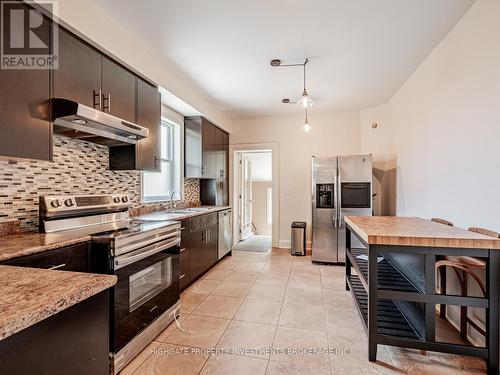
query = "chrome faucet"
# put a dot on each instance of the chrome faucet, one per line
(172, 196)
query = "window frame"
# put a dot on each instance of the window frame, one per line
(177, 149)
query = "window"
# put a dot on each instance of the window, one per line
(159, 186)
(269, 206)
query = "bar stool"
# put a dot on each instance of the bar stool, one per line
(468, 267)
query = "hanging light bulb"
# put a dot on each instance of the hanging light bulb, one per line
(307, 127)
(305, 100)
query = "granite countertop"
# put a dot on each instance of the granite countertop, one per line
(169, 215)
(416, 231)
(17, 245)
(29, 295)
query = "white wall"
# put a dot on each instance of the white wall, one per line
(91, 21)
(442, 130)
(262, 165)
(442, 127)
(259, 207)
(332, 134)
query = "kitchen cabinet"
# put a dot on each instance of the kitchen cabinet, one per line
(146, 153)
(203, 244)
(206, 149)
(118, 91)
(73, 341)
(69, 258)
(24, 110)
(185, 275)
(78, 76)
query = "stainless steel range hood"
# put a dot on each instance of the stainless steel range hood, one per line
(76, 120)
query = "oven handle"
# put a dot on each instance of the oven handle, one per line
(125, 260)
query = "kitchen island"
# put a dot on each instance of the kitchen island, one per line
(394, 285)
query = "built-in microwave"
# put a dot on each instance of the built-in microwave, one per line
(355, 195)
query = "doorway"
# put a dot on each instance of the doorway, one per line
(254, 200)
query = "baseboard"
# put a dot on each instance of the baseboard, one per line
(284, 244)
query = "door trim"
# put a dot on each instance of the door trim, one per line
(233, 184)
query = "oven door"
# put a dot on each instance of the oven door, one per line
(148, 285)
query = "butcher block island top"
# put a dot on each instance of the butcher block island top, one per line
(416, 231)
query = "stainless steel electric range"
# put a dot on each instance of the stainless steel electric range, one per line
(144, 255)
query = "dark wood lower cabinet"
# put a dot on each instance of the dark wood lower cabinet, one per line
(199, 247)
(74, 341)
(185, 273)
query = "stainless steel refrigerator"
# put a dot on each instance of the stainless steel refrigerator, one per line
(341, 186)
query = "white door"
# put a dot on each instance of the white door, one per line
(245, 197)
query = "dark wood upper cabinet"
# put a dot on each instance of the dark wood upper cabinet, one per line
(149, 116)
(118, 90)
(78, 77)
(146, 154)
(206, 149)
(209, 166)
(24, 111)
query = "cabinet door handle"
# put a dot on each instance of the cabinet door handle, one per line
(57, 267)
(156, 161)
(182, 250)
(182, 276)
(98, 95)
(106, 106)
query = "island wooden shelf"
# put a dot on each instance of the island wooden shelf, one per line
(396, 295)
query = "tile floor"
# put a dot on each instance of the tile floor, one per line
(252, 301)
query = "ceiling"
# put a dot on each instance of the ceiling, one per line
(361, 51)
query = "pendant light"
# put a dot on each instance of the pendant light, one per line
(305, 100)
(307, 127)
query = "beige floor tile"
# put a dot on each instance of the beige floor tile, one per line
(139, 359)
(259, 311)
(171, 328)
(284, 368)
(199, 332)
(232, 289)
(227, 364)
(273, 293)
(309, 297)
(250, 266)
(218, 307)
(298, 281)
(304, 316)
(204, 286)
(218, 274)
(172, 360)
(190, 301)
(249, 339)
(291, 342)
(269, 278)
(243, 276)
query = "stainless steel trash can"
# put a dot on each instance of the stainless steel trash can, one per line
(298, 238)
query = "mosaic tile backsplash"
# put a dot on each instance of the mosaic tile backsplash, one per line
(78, 168)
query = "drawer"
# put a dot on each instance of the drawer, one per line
(69, 258)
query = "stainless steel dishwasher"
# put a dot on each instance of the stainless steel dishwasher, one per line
(225, 232)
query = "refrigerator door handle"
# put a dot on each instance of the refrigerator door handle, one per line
(339, 200)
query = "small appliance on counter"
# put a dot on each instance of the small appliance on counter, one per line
(144, 255)
(341, 186)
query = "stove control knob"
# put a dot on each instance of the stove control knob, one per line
(68, 203)
(124, 199)
(55, 203)
(116, 199)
